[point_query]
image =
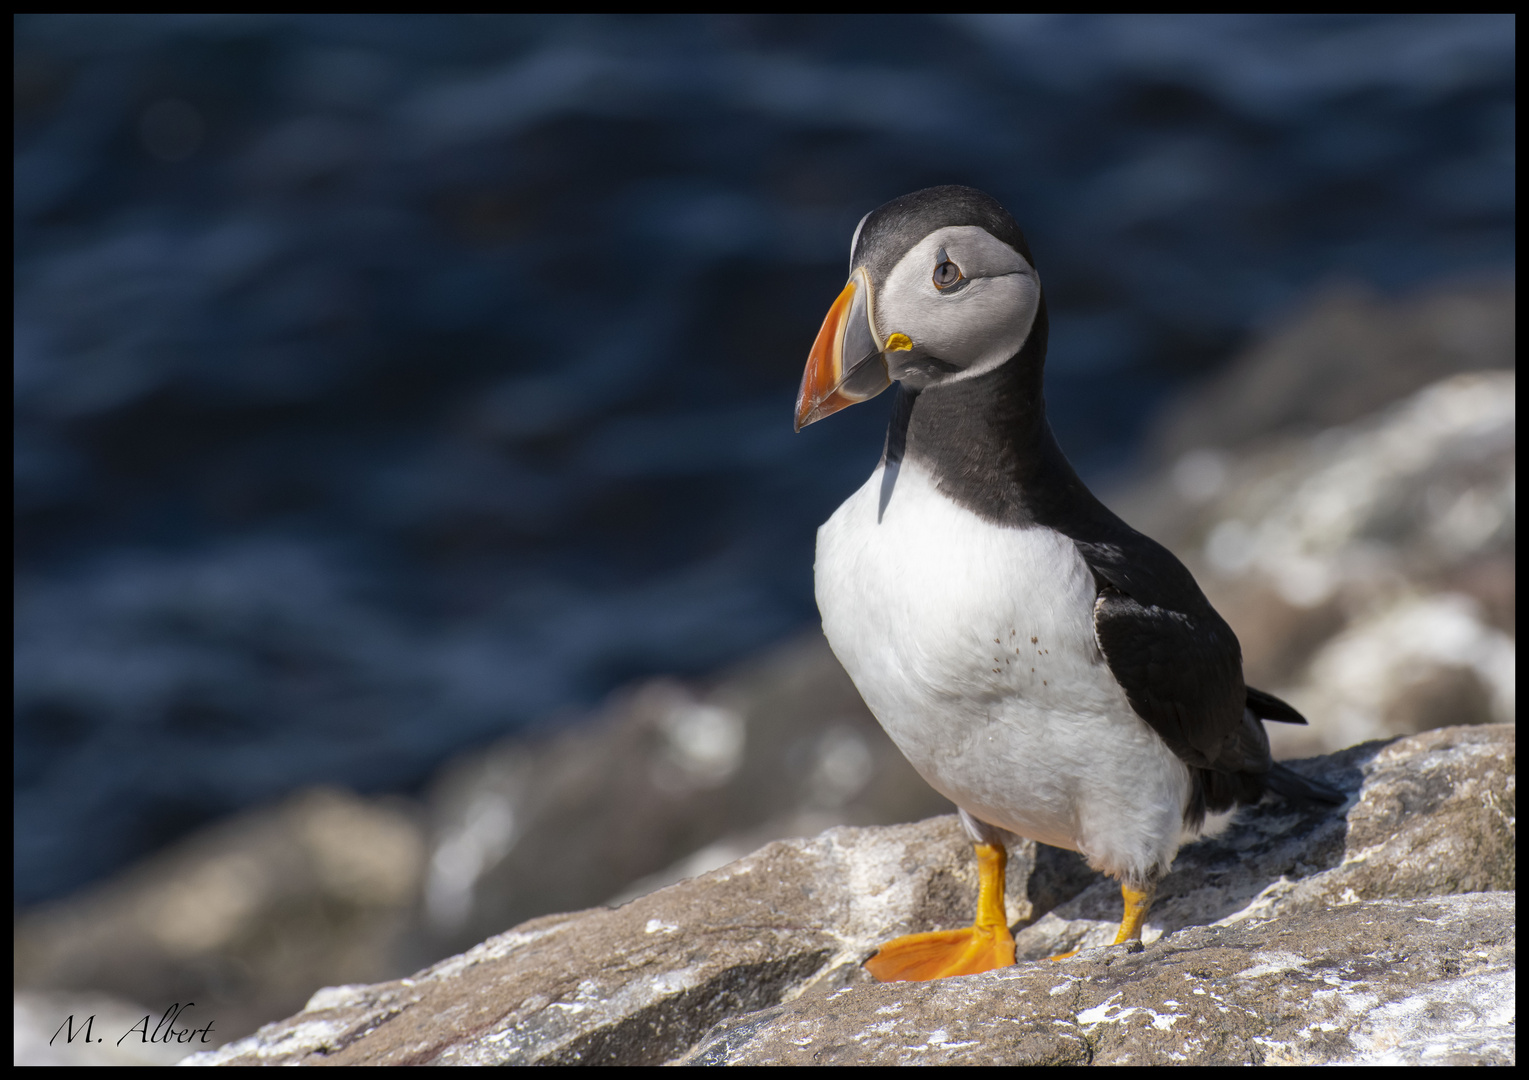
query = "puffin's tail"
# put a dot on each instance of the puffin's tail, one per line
(1291, 785)
(1287, 783)
(1266, 706)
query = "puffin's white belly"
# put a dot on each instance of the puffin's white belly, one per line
(974, 646)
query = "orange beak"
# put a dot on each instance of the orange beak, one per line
(845, 366)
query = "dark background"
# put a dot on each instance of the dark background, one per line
(384, 385)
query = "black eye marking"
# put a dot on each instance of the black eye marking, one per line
(947, 274)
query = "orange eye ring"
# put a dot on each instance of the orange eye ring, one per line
(947, 274)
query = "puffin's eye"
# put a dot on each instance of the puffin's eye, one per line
(946, 275)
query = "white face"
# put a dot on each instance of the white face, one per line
(966, 300)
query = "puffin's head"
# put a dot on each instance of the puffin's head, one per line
(941, 288)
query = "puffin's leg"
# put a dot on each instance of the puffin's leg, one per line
(984, 945)
(1137, 903)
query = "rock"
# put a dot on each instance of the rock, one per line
(668, 781)
(1380, 932)
(1341, 356)
(1416, 663)
(1379, 982)
(247, 916)
(1370, 572)
(1434, 816)
(1410, 494)
(243, 918)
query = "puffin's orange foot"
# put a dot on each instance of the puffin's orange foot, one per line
(942, 953)
(1064, 955)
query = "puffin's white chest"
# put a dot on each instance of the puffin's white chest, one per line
(974, 646)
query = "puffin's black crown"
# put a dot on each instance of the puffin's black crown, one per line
(892, 228)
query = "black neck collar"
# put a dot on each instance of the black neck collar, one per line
(986, 442)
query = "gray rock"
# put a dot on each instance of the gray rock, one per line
(1377, 982)
(1370, 573)
(1376, 933)
(1434, 816)
(669, 780)
(1342, 355)
(244, 918)
(248, 915)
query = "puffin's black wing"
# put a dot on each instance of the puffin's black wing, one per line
(1181, 668)
(1176, 659)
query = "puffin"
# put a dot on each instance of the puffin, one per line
(1050, 670)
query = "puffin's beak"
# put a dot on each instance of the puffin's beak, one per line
(845, 365)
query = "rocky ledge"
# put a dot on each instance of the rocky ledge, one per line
(1380, 932)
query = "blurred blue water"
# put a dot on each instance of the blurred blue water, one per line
(385, 384)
